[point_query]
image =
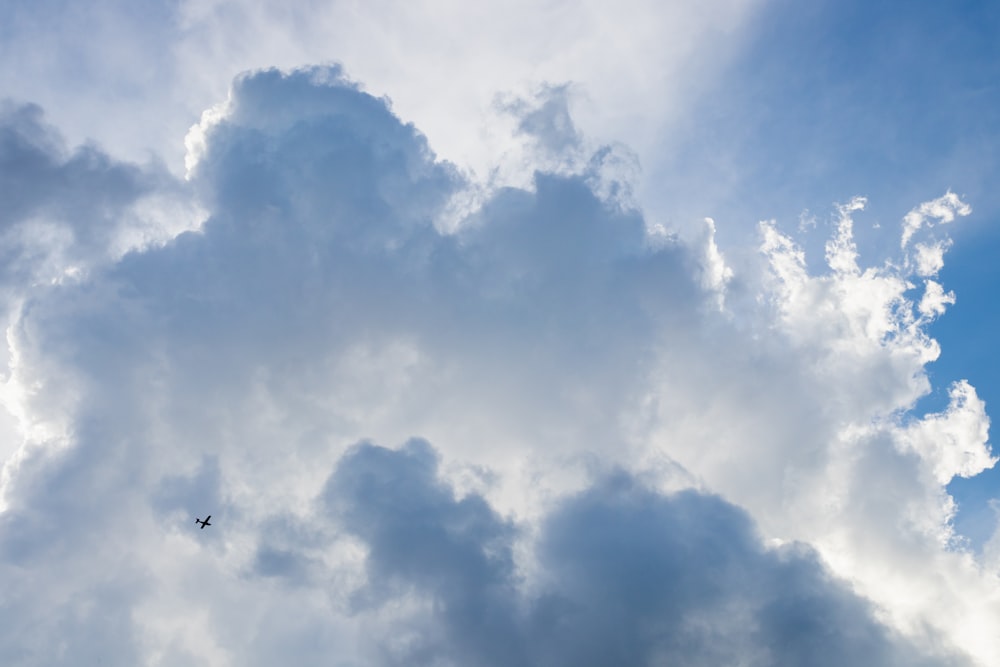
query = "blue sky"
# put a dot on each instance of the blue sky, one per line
(498, 334)
(832, 100)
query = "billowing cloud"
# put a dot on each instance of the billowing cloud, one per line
(546, 336)
(620, 575)
(67, 213)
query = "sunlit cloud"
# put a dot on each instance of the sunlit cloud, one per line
(420, 333)
(574, 369)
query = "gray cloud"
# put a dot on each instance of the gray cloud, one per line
(38, 175)
(457, 552)
(548, 121)
(200, 371)
(625, 576)
(68, 212)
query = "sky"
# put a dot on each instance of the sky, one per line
(491, 334)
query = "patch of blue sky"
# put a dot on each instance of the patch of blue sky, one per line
(894, 101)
(898, 102)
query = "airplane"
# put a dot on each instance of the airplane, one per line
(204, 522)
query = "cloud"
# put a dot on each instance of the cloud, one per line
(456, 553)
(66, 214)
(101, 72)
(954, 441)
(442, 64)
(548, 335)
(550, 123)
(944, 209)
(621, 575)
(65, 211)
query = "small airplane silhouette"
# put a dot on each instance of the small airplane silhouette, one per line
(204, 522)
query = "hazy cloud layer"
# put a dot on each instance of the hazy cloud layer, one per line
(333, 294)
(442, 63)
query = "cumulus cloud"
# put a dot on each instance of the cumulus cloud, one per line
(620, 575)
(954, 441)
(549, 336)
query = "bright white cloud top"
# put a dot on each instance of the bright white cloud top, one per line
(446, 418)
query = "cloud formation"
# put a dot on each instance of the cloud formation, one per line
(621, 575)
(65, 211)
(545, 338)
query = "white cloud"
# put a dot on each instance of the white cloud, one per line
(935, 299)
(714, 272)
(545, 342)
(930, 257)
(954, 442)
(841, 251)
(944, 209)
